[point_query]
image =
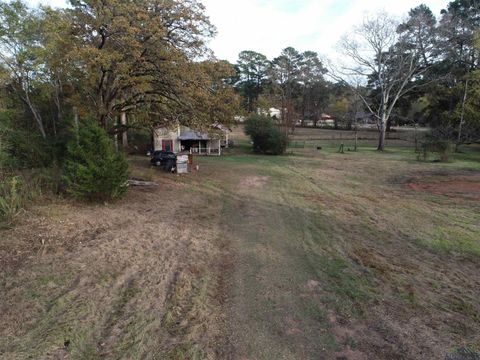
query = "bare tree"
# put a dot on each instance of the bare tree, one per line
(390, 63)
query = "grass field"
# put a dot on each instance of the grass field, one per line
(311, 255)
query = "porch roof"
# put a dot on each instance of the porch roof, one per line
(193, 135)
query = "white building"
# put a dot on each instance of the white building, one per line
(184, 139)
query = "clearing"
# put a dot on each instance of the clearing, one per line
(313, 255)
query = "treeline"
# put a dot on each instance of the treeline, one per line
(112, 64)
(293, 82)
(421, 71)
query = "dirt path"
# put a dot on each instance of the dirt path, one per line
(275, 306)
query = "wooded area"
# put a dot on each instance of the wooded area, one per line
(422, 71)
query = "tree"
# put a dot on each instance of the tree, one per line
(314, 92)
(19, 46)
(420, 32)
(458, 28)
(285, 73)
(340, 110)
(266, 137)
(93, 170)
(252, 70)
(140, 56)
(392, 64)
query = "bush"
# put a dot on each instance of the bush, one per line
(11, 198)
(266, 137)
(93, 170)
(441, 147)
(21, 147)
(15, 193)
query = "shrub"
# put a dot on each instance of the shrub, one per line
(266, 137)
(441, 147)
(15, 192)
(93, 170)
(11, 199)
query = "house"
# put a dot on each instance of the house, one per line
(326, 120)
(275, 113)
(239, 119)
(363, 117)
(184, 139)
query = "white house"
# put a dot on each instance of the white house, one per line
(184, 139)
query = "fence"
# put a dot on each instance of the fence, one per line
(314, 139)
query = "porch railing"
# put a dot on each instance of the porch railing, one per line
(206, 151)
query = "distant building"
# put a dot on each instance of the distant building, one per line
(363, 117)
(326, 120)
(275, 113)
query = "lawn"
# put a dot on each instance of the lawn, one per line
(311, 255)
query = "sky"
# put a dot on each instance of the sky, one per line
(268, 26)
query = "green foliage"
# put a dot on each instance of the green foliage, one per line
(11, 198)
(28, 149)
(4, 145)
(252, 72)
(93, 170)
(266, 137)
(436, 145)
(15, 192)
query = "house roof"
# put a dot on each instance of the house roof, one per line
(220, 126)
(193, 135)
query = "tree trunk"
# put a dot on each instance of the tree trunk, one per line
(115, 137)
(389, 124)
(123, 122)
(382, 130)
(356, 139)
(77, 126)
(462, 117)
(36, 115)
(415, 136)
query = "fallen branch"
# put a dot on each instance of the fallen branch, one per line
(141, 183)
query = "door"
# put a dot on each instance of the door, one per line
(167, 145)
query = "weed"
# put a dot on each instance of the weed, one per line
(12, 197)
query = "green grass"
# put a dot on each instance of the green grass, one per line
(307, 245)
(315, 210)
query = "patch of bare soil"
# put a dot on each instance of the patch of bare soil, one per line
(452, 185)
(254, 181)
(345, 334)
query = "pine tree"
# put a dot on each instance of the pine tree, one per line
(93, 170)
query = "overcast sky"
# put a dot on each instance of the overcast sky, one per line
(268, 26)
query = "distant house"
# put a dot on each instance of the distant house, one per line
(239, 119)
(275, 113)
(363, 117)
(326, 120)
(184, 139)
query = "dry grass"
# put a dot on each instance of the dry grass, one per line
(307, 256)
(101, 282)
